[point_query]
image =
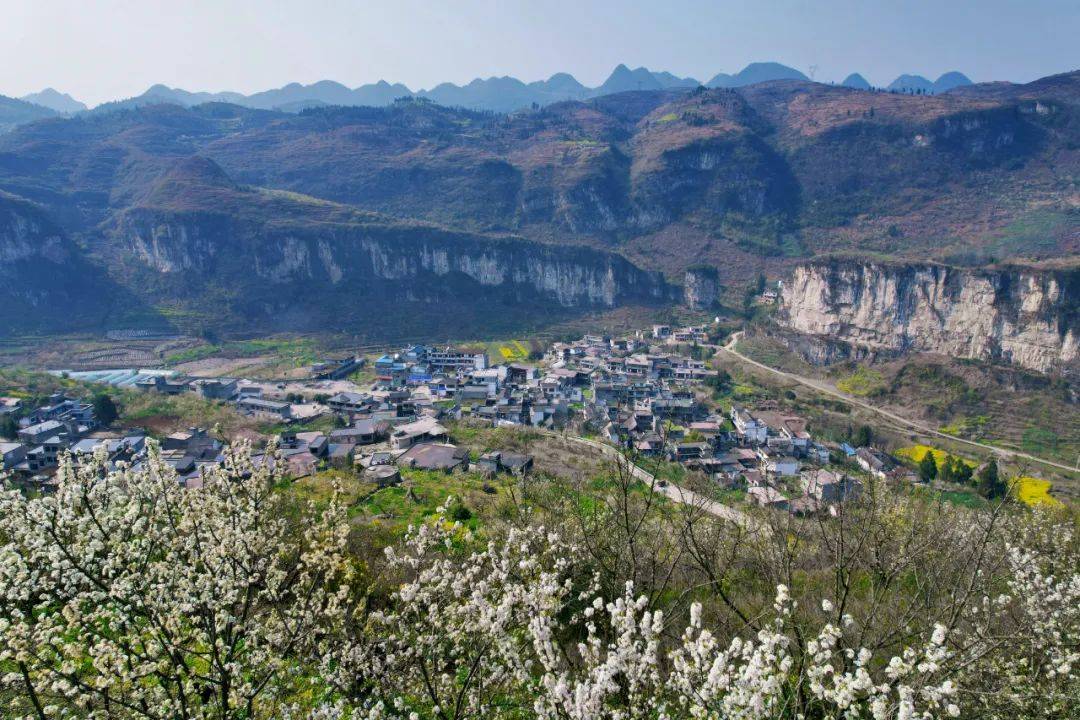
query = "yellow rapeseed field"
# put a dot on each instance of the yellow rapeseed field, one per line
(1033, 491)
(915, 453)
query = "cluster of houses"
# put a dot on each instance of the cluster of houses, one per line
(64, 424)
(60, 424)
(246, 396)
(379, 436)
(644, 395)
(399, 420)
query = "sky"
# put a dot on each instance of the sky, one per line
(110, 49)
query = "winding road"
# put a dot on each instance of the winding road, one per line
(730, 348)
(672, 491)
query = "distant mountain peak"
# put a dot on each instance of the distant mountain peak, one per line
(952, 79)
(911, 83)
(14, 112)
(496, 93)
(191, 177)
(623, 79)
(857, 81)
(757, 72)
(55, 100)
(918, 83)
(201, 170)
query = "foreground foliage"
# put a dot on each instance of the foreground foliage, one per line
(124, 596)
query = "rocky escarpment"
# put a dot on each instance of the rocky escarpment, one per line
(701, 287)
(1023, 316)
(46, 284)
(354, 267)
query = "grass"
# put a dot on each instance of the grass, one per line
(966, 426)
(963, 498)
(1040, 441)
(27, 384)
(861, 383)
(1028, 490)
(513, 351)
(161, 414)
(157, 414)
(421, 493)
(670, 117)
(292, 351)
(1036, 231)
(199, 352)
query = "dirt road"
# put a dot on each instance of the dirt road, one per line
(730, 348)
(670, 490)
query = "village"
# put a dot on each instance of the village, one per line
(646, 394)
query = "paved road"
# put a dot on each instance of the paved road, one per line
(822, 387)
(670, 490)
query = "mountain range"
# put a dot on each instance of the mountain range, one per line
(496, 94)
(409, 216)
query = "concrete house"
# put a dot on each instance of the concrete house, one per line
(39, 433)
(505, 460)
(11, 454)
(256, 405)
(425, 429)
(216, 388)
(767, 496)
(828, 486)
(163, 385)
(750, 429)
(349, 402)
(874, 462)
(435, 456)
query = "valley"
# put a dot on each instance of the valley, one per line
(365, 219)
(909, 258)
(453, 361)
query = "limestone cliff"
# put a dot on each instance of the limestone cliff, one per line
(46, 284)
(1024, 316)
(701, 287)
(415, 258)
(297, 266)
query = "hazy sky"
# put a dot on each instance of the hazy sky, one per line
(108, 49)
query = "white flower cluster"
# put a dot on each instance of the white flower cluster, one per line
(490, 635)
(124, 594)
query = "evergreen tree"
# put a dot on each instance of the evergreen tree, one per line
(105, 409)
(8, 428)
(760, 284)
(962, 472)
(927, 467)
(990, 483)
(864, 437)
(947, 471)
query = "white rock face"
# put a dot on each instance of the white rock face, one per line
(173, 247)
(1019, 316)
(22, 239)
(599, 280)
(701, 288)
(572, 277)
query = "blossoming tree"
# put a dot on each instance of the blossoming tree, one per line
(125, 595)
